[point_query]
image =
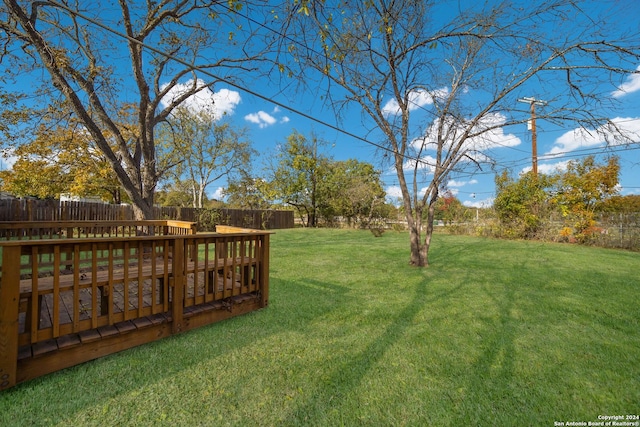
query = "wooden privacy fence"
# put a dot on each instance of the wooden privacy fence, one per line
(55, 210)
(69, 297)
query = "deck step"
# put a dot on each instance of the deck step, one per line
(72, 340)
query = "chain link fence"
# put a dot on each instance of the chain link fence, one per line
(612, 230)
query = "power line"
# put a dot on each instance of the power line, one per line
(531, 101)
(233, 84)
(336, 128)
(194, 67)
(311, 49)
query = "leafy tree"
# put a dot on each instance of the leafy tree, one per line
(177, 194)
(47, 182)
(319, 187)
(204, 150)
(521, 204)
(245, 192)
(449, 208)
(61, 160)
(580, 189)
(467, 68)
(297, 174)
(620, 204)
(72, 43)
(352, 189)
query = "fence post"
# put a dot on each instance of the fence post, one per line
(9, 301)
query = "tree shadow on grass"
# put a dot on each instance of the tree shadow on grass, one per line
(490, 379)
(346, 378)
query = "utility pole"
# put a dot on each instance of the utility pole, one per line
(532, 127)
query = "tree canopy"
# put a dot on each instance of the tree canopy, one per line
(523, 205)
(61, 159)
(99, 55)
(203, 149)
(318, 186)
(580, 189)
(247, 192)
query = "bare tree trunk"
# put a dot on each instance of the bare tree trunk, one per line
(420, 248)
(417, 248)
(431, 214)
(143, 212)
(418, 252)
(201, 196)
(194, 195)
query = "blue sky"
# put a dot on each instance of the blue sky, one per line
(510, 146)
(269, 125)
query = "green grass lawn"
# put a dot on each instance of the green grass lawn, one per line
(494, 333)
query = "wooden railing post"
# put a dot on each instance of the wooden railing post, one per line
(264, 271)
(178, 281)
(193, 230)
(69, 253)
(9, 301)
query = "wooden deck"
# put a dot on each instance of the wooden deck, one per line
(67, 301)
(134, 299)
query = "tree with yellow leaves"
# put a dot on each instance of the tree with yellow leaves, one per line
(60, 160)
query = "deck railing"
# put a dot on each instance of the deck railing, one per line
(70, 295)
(37, 230)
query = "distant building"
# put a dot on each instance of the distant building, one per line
(68, 197)
(6, 196)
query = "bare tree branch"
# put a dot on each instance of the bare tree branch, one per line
(403, 66)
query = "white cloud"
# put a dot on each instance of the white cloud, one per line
(394, 195)
(490, 134)
(417, 99)
(575, 139)
(261, 118)
(264, 119)
(426, 163)
(548, 168)
(8, 159)
(624, 130)
(225, 101)
(632, 84)
(218, 194)
(394, 192)
(553, 167)
(453, 183)
(486, 203)
(218, 104)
